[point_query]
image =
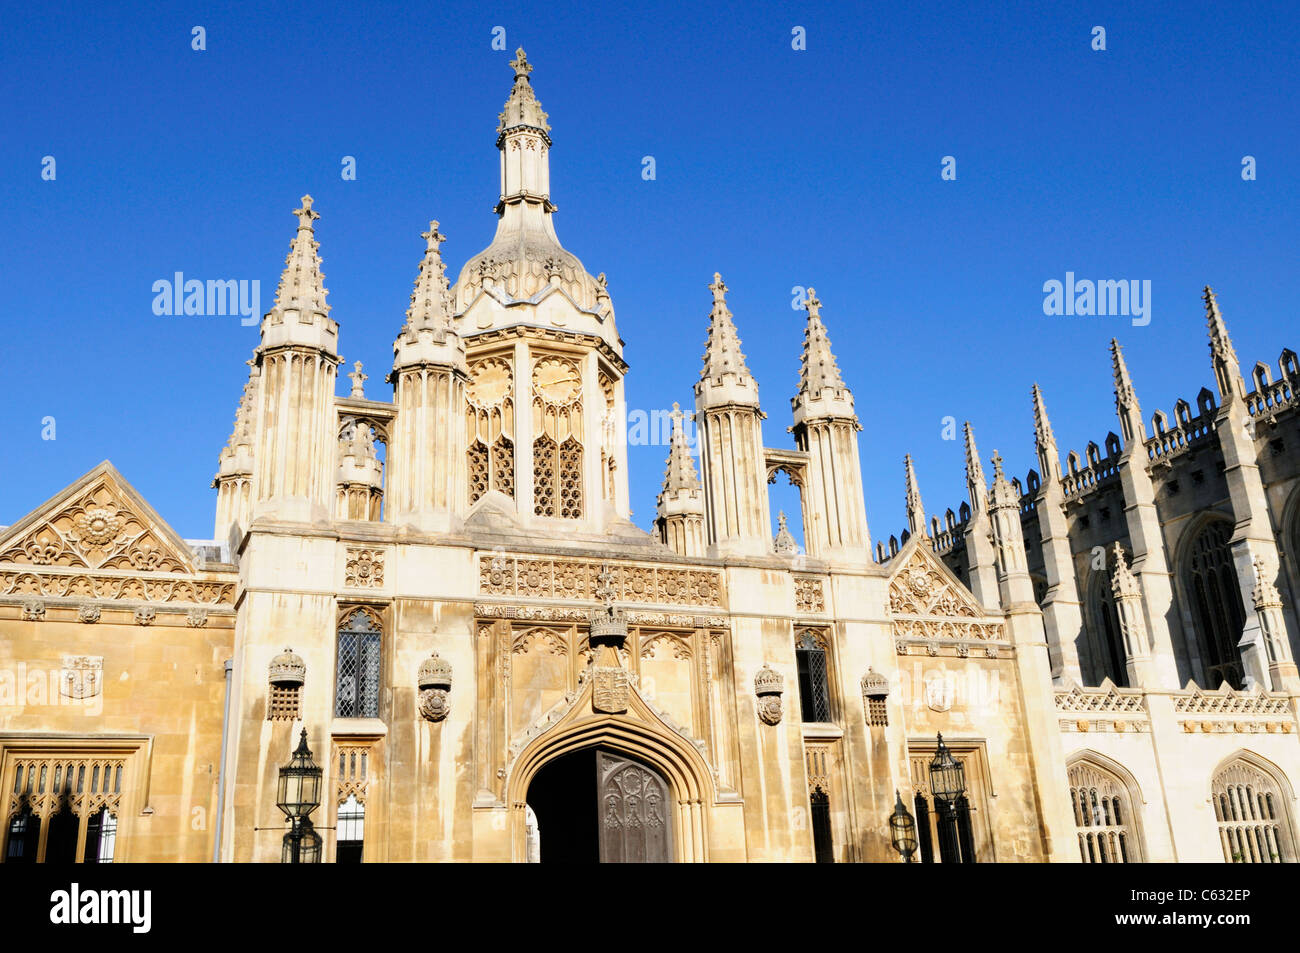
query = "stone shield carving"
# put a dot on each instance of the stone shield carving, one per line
(609, 689)
(82, 676)
(435, 704)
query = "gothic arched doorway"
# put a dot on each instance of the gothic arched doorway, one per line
(596, 805)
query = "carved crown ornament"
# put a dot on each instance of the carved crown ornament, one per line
(287, 670)
(434, 684)
(768, 688)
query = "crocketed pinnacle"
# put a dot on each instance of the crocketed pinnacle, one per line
(1122, 581)
(1004, 494)
(722, 350)
(302, 286)
(522, 108)
(817, 371)
(915, 510)
(680, 474)
(1125, 396)
(1220, 343)
(975, 484)
(1043, 435)
(431, 305)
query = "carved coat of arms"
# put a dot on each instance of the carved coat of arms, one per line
(82, 676)
(609, 689)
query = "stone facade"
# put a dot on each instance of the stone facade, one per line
(1108, 648)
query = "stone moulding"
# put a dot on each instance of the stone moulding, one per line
(504, 575)
(487, 610)
(81, 585)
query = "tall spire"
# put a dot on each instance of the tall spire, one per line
(1126, 402)
(680, 474)
(1049, 458)
(302, 285)
(722, 355)
(818, 370)
(1227, 370)
(431, 306)
(915, 510)
(975, 486)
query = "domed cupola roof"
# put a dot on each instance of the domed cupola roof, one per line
(526, 262)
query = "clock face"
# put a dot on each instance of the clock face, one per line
(558, 382)
(489, 383)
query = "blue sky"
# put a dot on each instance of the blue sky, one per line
(775, 167)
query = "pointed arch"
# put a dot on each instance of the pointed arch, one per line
(640, 733)
(1211, 595)
(1252, 800)
(1106, 801)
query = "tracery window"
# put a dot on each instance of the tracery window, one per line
(356, 693)
(1103, 816)
(1211, 582)
(75, 799)
(558, 446)
(1251, 814)
(814, 680)
(1106, 641)
(490, 420)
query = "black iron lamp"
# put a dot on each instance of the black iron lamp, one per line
(902, 828)
(298, 795)
(947, 776)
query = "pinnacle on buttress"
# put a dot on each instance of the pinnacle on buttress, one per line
(975, 485)
(818, 370)
(1043, 435)
(1227, 371)
(1122, 581)
(522, 108)
(722, 354)
(302, 285)
(237, 453)
(680, 474)
(915, 510)
(1004, 494)
(431, 305)
(1125, 396)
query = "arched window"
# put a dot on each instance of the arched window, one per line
(1251, 813)
(357, 685)
(1215, 598)
(101, 837)
(352, 831)
(814, 681)
(1103, 816)
(1105, 641)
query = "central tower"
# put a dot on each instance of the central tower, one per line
(544, 407)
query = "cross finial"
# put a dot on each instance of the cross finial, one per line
(678, 415)
(719, 289)
(997, 466)
(520, 64)
(812, 305)
(358, 380)
(306, 214)
(780, 519)
(433, 237)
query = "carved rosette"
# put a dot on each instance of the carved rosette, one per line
(364, 569)
(768, 688)
(434, 682)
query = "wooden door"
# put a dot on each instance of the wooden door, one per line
(634, 812)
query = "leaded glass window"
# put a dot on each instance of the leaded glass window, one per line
(814, 683)
(357, 685)
(1211, 581)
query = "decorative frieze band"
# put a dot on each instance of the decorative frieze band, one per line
(485, 610)
(501, 575)
(116, 588)
(1106, 699)
(1225, 701)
